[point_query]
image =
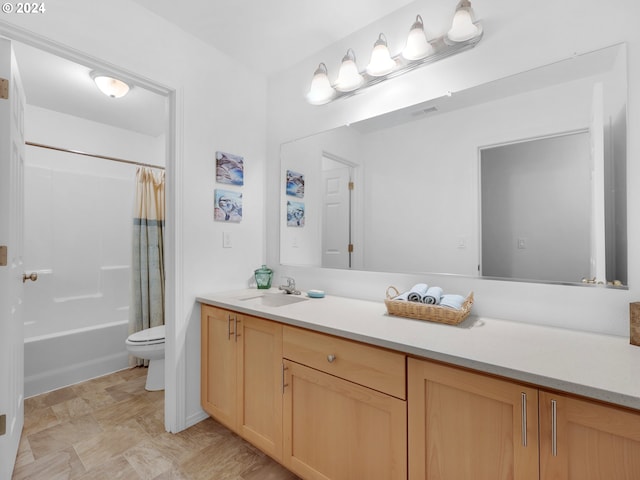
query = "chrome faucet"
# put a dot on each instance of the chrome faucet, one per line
(290, 287)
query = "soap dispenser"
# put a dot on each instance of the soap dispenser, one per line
(263, 277)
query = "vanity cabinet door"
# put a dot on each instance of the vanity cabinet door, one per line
(241, 376)
(259, 392)
(335, 429)
(584, 440)
(468, 426)
(218, 365)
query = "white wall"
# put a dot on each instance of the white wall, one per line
(518, 36)
(221, 106)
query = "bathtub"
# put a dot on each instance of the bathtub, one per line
(64, 358)
(78, 228)
(74, 338)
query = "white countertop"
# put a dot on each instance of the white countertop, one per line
(597, 366)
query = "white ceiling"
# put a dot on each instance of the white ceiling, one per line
(266, 36)
(271, 35)
(64, 86)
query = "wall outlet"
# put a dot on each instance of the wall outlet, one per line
(521, 243)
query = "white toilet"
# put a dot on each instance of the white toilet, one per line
(149, 345)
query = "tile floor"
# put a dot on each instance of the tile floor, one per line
(112, 428)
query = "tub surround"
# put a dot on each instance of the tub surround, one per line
(596, 366)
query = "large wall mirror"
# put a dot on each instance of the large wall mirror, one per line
(523, 178)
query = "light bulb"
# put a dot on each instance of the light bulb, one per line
(381, 62)
(321, 91)
(417, 45)
(111, 87)
(349, 78)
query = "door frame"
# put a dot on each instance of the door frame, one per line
(175, 364)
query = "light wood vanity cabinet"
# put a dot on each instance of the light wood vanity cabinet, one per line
(467, 425)
(330, 408)
(241, 375)
(344, 410)
(584, 440)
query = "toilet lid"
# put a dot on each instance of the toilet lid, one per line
(153, 334)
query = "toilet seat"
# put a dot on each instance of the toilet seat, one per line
(148, 336)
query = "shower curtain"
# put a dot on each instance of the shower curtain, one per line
(146, 308)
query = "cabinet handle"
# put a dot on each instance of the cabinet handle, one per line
(554, 428)
(235, 328)
(331, 358)
(283, 384)
(524, 418)
(229, 327)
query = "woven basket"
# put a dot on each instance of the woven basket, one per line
(422, 311)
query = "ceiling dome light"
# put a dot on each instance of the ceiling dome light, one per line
(349, 78)
(321, 91)
(381, 62)
(417, 44)
(462, 27)
(111, 87)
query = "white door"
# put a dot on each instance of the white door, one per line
(336, 217)
(11, 236)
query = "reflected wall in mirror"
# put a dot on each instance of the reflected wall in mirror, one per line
(418, 205)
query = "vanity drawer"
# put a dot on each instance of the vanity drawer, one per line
(370, 366)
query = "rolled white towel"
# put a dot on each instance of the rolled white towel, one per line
(402, 296)
(452, 301)
(417, 292)
(433, 296)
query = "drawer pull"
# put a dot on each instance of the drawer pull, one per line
(331, 358)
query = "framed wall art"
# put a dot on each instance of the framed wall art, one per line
(229, 168)
(227, 206)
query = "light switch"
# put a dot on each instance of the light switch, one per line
(226, 240)
(522, 243)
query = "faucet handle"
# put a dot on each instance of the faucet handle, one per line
(290, 282)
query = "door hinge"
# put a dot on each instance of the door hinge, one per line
(351, 185)
(4, 88)
(3, 424)
(350, 248)
(3, 255)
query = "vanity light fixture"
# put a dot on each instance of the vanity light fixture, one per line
(417, 46)
(110, 86)
(349, 77)
(464, 34)
(381, 62)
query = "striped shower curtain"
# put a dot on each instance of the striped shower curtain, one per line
(147, 265)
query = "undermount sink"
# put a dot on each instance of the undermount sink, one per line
(273, 299)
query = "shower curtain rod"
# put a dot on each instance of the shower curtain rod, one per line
(104, 157)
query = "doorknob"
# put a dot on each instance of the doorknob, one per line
(33, 276)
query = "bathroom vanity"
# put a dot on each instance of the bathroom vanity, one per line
(335, 388)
